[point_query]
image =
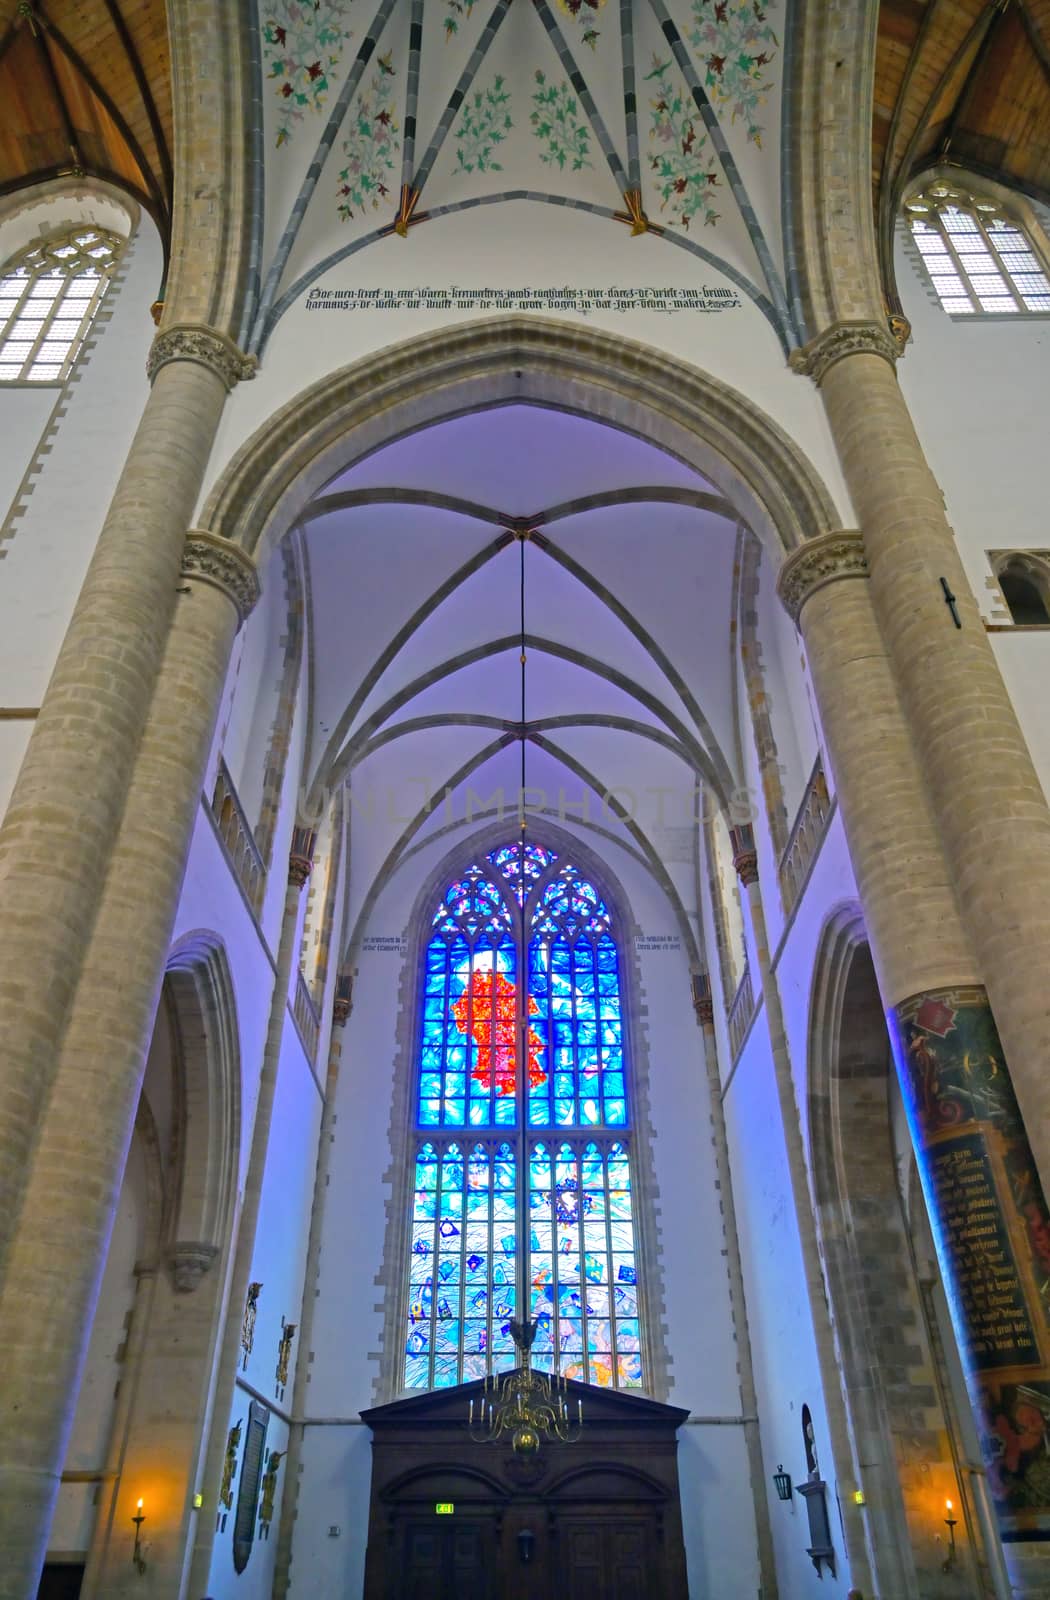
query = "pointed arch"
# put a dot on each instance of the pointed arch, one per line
(347, 415)
(619, 1146)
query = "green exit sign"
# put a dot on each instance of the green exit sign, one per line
(444, 1508)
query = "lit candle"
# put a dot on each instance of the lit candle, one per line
(947, 1503)
(140, 1503)
(579, 1410)
(472, 1413)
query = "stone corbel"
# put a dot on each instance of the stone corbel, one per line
(189, 1260)
(209, 559)
(190, 341)
(822, 560)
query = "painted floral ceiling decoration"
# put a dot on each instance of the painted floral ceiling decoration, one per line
(737, 44)
(654, 114)
(303, 43)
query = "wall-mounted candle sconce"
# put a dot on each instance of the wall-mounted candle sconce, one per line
(782, 1482)
(137, 1557)
(948, 1564)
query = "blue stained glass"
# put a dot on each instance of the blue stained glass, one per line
(522, 867)
(581, 1261)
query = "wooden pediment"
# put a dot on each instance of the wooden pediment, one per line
(602, 1408)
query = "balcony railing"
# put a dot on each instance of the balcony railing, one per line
(307, 1017)
(741, 1011)
(805, 837)
(236, 834)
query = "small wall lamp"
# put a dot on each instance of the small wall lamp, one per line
(950, 1523)
(782, 1482)
(137, 1557)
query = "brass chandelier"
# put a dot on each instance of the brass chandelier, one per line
(525, 1405)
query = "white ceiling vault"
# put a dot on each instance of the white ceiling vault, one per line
(414, 558)
(380, 117)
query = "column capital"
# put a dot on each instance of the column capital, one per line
(301, 855)
(207, 558)
(344, 1000)
(745, 854)
(822, 560)
(816, 358)
(703, 1001)
(191, 341)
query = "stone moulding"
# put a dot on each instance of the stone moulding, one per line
(820, 561)
(771, 483)
(188, 341)
(209, 559)
(842, 339)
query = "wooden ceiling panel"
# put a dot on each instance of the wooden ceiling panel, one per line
(964, 82)
(86, 88)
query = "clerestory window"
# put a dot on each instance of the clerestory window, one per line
(977, 256)
(523, 1160)
(1024, 582)
(49, 297)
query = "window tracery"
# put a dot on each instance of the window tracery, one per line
(483, 1169)
(50, 294)
(978, 257)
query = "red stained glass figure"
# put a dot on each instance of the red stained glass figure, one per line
(488, 1010)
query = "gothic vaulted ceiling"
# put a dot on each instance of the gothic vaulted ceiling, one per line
(415, 575)
(85, 88)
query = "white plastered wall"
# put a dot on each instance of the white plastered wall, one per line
(63, 448)
(977, 389)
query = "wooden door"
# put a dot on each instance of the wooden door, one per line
(603, 1558)
(454, 1561)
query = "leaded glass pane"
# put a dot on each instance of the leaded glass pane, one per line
(462, 1263)
(522, 865)
(56, 288)
(466, 1225)
(976, 261)
(575, 986)
(583, 1279)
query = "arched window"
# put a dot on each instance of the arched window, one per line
(49, 295)
(522, 946)
(976, 254)
(1025, 586)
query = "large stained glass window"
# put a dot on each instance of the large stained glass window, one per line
(480, 1163)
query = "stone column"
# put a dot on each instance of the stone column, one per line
(300, 863)
(341, 1009)
(59, 832)
(58, 1252)
(745, 862)
(987, 801)
(703, 1004)
(982, 1189)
